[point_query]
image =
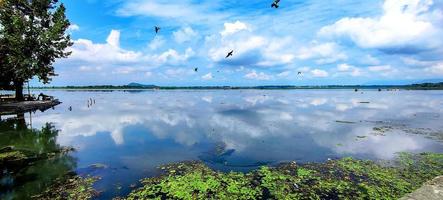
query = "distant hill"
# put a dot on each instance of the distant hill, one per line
(430, 81)
(402, 82)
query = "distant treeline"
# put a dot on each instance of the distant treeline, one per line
(426, 86)
(423, 86)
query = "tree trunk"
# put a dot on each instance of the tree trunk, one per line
(19, 91)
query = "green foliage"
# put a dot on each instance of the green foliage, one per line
(32, 36)
(346, 178)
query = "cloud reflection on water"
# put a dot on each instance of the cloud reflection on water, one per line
(259, 125)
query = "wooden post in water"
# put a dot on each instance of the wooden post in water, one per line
(29, 91)
(30, 119)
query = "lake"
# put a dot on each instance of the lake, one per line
(125, 135)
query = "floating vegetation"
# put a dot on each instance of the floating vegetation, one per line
(345, 178)
(381, 130)
(194, 180)
(435, 135)
(98, 166)
(432, 134)
(15, 159)
(74, 188)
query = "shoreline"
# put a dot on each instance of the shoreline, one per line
(7, 108)
(345, 178)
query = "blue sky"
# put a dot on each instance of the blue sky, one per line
(330, 42)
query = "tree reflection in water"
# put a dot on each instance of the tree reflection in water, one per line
(32, 176)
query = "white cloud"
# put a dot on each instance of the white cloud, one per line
(116, 59)
(343, 67)
(384, 70)
(352, 70)
(368, 59)
(181, 11)
(86, 50)
(324, 53)
(403, 24)
(156, 43)
(114, 39)
(304, 69)
(231, 28)
(89, 68)
(257, 76)
(284, 74)
(240, 47)
(250, 50)
(173, 57)
(319, 73)
(380, 68)
(417, 63)
(178, 72)
(124, 70)
(73, 27)
(185, 34)
(207, 76)
(436, 69)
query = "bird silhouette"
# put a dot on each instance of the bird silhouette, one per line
(275, 4)
(230, 54)
(70, 108)
(157, 29)
(299, 73)
(196, 69)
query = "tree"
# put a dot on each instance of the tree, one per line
(32, 36)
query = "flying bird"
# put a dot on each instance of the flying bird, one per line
(230, 54)
(196, 69)
(299, 73)
(157, 29)
(275, 4)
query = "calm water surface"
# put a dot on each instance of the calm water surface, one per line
(133, 132)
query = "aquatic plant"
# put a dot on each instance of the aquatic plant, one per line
(193, 180)
(345, 178)
(74, 188)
